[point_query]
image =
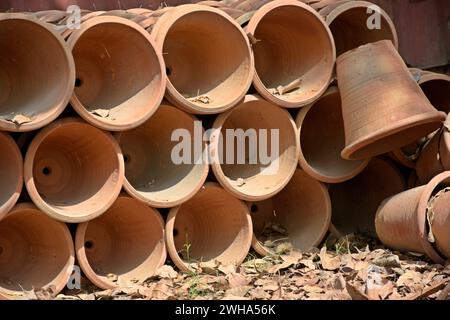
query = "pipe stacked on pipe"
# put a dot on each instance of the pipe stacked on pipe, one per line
(90, 117)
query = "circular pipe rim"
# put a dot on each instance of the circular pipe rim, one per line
(257, 82)
(159, 32)
(59, 108)
(31, 187)
(72, 40)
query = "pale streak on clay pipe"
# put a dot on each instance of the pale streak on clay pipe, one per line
(126, 241)
(381, 116)
(120, 73)
(193, 39)
(410, 222)
(232, 12)
(35, 252)
(436, 87)
(320, 149)
(212, 227)
(35, 88)
(435, 155)
(279, 32)
(303, 208)
(355, 202)
(255, 182)
(73, 171)
(348, 21)
(151, 175)
(11, 173)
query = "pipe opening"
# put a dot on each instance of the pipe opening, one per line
(78, 82)
(118, 70)
(198, 43)
(350, 29)
(75, 169)
(213, 226)
(128, 241)
(437, 91)
(36, 252)
(34, 85)
(294, 51)
(155, 173)
(89, 244)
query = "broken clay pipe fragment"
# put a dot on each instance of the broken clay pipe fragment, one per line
(35, 252)
(349, 21)
(302, 208)
(320, 150)
(418, 219)
(355, 202)
(125, 245)
(35, 88)
(192, 39)
(371, 79)
(151, 174)
(120, 74)
(211, 228)
(281, 30)
(11, 173)
(73, 171)
(276, 141)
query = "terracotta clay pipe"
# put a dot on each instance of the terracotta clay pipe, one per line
(286, 74)
(320, 149)
(418, 220)
(435, 155)
(193, 38)
(35, 88)
(376, 121)
(302, 210)
(348, 21)
(73, 171)
(120, 75)
(355, 202)
(11, 173)
(35, 252)
(436, 87)
(152, 176)
(255, 180)
(212, 227)
(127, 241)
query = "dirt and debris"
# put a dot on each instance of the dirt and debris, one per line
(353, 267)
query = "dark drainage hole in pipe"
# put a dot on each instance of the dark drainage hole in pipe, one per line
(175, 232)
(78, 82)
(253, 208)
(46, 171)
(88, 244)
(126, 158)
(168, 71)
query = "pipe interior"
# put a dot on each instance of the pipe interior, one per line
(149, 166)
(438, 92)
(75, 168)
(293, 44)
(322, 138)
(355, 202)
(350, 29)
(300, 209)
(248, 177)
(34, 251)
(211, 226)
(10, 169)
(117, 70)
(201, 62)
(34, 70)
(127, 241)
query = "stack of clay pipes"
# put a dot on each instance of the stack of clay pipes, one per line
(88, 115)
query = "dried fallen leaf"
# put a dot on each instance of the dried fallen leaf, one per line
(237, 280)
(328, 262)
(166, 272)
(19, 119)
(104, 113)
